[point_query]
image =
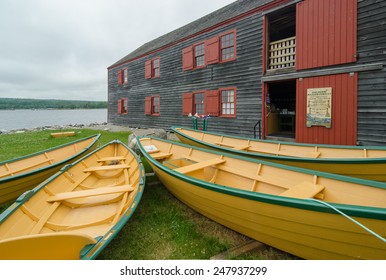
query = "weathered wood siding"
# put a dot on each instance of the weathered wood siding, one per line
(372, 85)
(244, 73)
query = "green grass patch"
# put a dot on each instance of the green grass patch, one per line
(161, 227)
(20, 144)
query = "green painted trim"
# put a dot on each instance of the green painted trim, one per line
(352, 210)
(26, 174)
(285, 158)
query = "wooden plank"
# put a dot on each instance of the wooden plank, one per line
(303, 190)
(285, 153)
(111, 158)
(276, 181)
(161, 155)
(87, 193)
(236, 147)
(199, 165)
(239, 250)
(25, 167)
(106, 167)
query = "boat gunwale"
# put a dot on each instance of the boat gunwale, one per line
(102, 241)
(286, 158)
(51, 166)
(307, 204)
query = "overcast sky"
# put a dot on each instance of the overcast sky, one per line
(60, 49)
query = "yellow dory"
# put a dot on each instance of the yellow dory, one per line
(78, 211)
(361, 162)
(23, 173)
(309, 214)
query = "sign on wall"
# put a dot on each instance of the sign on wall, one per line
(319, 101)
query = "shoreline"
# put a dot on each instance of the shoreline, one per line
(100, 126)
(161, 133)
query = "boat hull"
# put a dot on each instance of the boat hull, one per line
(307, 213)
(307, 234)
(76, 212)
(13, 186)
(371, 169)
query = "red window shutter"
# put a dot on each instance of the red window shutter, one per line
(120, 106)
(187, 103)
(212, 51)
(212, 102)
(120, 77)
(148, 69)
(148, 105)
(187, 58)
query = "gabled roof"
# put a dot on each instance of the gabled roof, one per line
(218, 17)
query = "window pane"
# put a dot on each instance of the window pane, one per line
(156, 68)
(155, 105)
(228, 102)
(199, 55)
(227, 46)
(125, 76)
(199, 103)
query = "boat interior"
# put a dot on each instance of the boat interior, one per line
(258, 177)
(88, 198)
(282, 148)
(41, 160)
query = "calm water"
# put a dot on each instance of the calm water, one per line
(19, 119)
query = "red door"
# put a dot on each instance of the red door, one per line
(343, 129)
(325, 33)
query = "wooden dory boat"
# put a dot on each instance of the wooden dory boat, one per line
(361, 162)
(62, 134)
(303, 212)
(78, 211)
(23, 173)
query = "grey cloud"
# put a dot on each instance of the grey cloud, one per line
(61, 49)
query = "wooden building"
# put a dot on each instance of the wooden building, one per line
(311, 71)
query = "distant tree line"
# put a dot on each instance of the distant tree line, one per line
(18, 103)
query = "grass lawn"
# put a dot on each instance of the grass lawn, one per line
(162, 227)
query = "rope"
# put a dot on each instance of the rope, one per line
(351, 219)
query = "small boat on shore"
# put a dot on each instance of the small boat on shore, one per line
(356, 161)
(24, 173)
(62, 134)
(78, 211)
(307, 213)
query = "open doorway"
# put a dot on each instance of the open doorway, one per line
(281, 110)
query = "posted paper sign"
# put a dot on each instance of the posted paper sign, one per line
(319, 102)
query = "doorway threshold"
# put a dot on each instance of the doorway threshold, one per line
(282, 137)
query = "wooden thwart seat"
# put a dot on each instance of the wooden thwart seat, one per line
(276, 181)
(199, 165)
(160, 155)
(106, 167)
(111, 158)
(87, 193)
(303, 190)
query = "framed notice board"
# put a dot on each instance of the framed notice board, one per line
(319, 102)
